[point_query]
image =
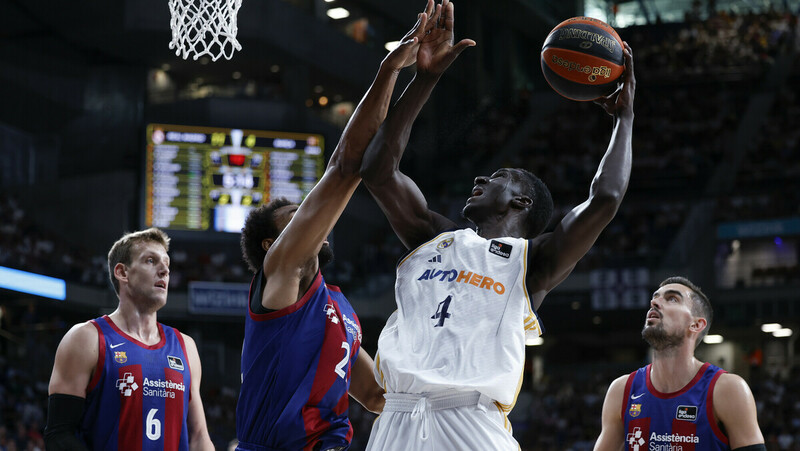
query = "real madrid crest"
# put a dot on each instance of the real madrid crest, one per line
(445, 243)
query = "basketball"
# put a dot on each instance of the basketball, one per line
(582, 58)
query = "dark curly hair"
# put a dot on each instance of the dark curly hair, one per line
(542, 209)
(260, 225)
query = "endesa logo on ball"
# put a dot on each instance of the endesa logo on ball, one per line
(592, 71)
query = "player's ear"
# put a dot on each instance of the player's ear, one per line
(121, 272)
(266, 243)
(521, 202)
(698, 325)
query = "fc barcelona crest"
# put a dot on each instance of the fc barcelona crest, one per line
(635, 410)
(120, 357)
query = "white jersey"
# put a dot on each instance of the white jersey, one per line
(463, 315)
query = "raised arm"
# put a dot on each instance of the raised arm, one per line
(291, 259)
(398, 196)
(735, 408)
(555, 254)
(612, 434)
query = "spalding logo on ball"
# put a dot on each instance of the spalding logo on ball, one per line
(582, 58)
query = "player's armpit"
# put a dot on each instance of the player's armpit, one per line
(64, 414)
(759, 447)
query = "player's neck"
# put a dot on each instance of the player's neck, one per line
(673, 369)
(498, 227)
(142, 326)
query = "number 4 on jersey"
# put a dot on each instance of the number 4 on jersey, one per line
(441, 312)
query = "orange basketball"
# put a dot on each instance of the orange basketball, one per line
(582, 58)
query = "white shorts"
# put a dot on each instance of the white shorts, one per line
(446, 421)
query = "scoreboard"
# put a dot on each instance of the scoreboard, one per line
(208, 179)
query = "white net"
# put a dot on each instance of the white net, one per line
(204, 27)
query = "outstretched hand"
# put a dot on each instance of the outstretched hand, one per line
(436, 50)
(405, 54)
(620, 102)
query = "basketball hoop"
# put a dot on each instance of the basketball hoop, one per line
(204, 27)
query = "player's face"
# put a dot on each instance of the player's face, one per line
(492, 195)
(284, 215)
(670, 315)
(148, 274)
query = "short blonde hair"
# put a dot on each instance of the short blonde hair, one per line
(121, 250)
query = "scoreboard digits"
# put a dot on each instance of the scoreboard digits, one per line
(203, 178)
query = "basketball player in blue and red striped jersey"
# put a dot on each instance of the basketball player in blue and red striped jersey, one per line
(301, 354)
(679, 402)
(124, 381)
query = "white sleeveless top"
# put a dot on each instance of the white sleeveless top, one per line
(463, 314)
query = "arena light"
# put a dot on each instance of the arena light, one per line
(32, 283)
(391, 45)
(338, 13)
(712, 339)
(538, 341)
(770, 327)
(782, 333)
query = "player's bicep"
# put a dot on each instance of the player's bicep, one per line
(571, 239)
(735, 408)
(75, 361)
(407, 210)
(613, 429)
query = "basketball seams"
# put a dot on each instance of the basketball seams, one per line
(591, 21)
(554, 40)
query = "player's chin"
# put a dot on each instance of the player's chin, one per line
(159, 298)
(468, 210)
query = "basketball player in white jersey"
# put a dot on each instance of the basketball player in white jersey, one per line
(451, 357)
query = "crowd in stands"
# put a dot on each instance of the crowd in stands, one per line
(27, 246)
(721, 43)
(767, 187)
(771, 166)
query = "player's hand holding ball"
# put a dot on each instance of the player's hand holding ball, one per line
(620, 102)
(582, 59)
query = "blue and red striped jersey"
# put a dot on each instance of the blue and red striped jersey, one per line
(138, 397)
(296, 371)
(683, 420)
